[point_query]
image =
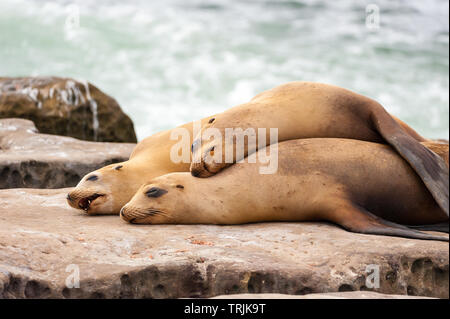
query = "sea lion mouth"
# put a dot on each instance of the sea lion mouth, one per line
(86, 202)
(200, 170)
(206, 169)
(137, 216)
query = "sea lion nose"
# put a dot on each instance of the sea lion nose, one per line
(69, 198)
(123, 215)
(195, 173)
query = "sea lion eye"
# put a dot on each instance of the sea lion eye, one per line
(155, 192)
(92, 178)
(118, 167)
(180, 186)
(211, 120)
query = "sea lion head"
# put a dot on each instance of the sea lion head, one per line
(103, 191)
(160, 201)
(218, 137)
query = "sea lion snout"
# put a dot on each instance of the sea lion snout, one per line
(195, 172)
(207, 165)
(123, 214)
(134, 215)
(203, 158)
(200, 170)
(82, 200)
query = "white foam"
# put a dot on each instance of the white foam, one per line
(93, 105)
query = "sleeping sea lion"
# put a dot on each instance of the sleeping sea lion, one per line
(313, 110)
(362, 186)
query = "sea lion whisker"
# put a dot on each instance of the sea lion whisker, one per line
(153, 212)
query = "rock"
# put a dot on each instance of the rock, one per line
(331, 295)
(64, 106)
(44, 244)
(30, 159)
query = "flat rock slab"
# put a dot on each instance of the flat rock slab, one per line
(44, 244)
(30, 159)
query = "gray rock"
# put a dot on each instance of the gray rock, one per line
(30, 159)
(67, 107)
(43, 241)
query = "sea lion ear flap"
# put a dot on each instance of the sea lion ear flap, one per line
(177, 186)
(118, 167)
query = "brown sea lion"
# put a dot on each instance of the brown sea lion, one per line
(365, 187)
(307, 110)
(107, 189)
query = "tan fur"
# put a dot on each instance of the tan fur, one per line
(298, 110)
(314, 110)
(317, 179)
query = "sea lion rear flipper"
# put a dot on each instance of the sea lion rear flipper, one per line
(356, 219)
(431, 168)
(441, 227)
(440, 149)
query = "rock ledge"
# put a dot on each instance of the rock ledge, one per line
(42, 239)
(30, 159)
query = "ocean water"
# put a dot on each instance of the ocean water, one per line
(169, 62)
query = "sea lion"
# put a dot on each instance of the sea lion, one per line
(107, 189)
(362, 186)
(307, 110)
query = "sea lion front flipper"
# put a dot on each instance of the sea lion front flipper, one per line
(431, 168)
(356, 219)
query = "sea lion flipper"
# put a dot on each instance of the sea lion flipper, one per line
(431, 168)
(442, 227)
(357, 219)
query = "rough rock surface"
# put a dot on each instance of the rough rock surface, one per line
(29, 159)
(43, 241)
(65, 107)
(331, 295)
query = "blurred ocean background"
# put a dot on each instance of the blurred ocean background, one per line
(169, 62)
